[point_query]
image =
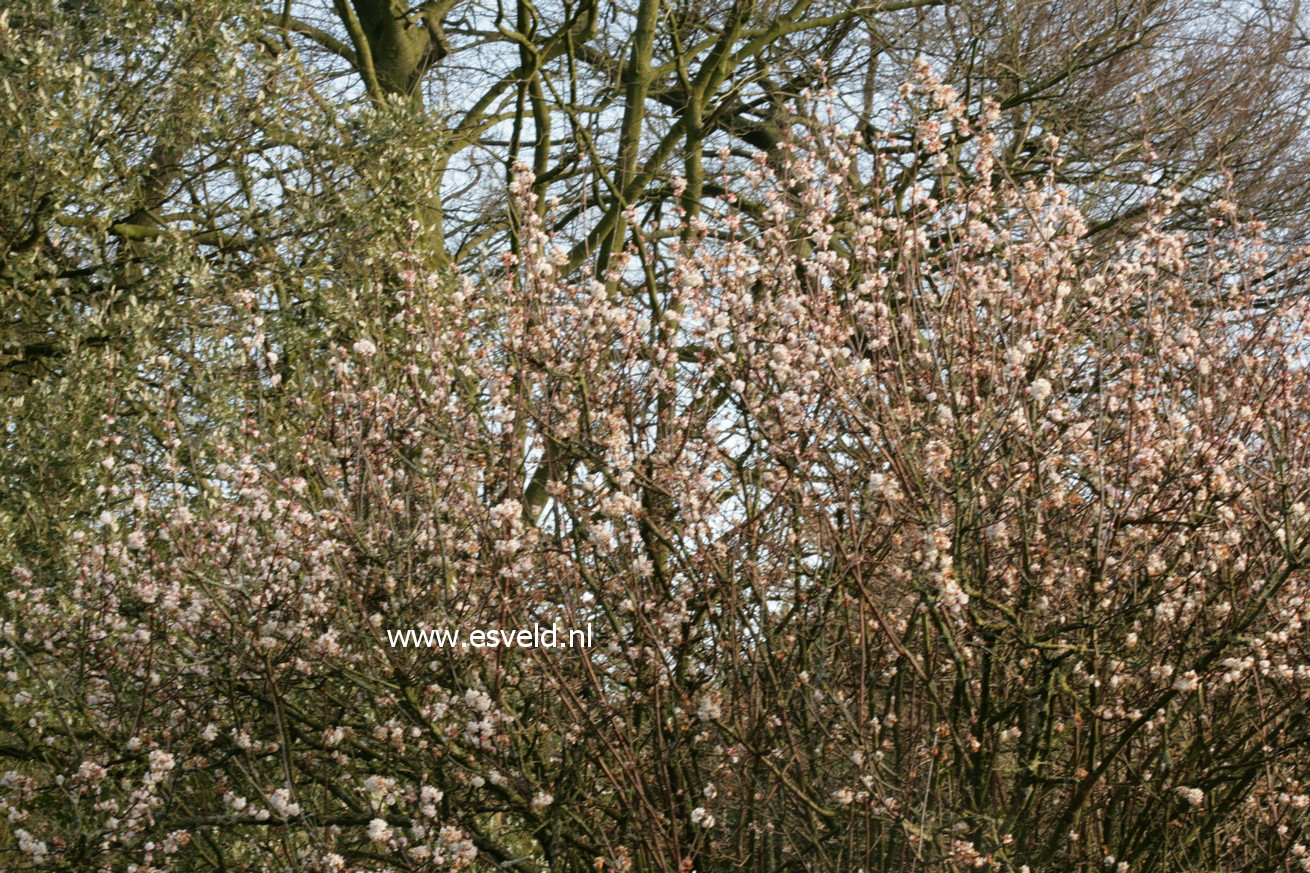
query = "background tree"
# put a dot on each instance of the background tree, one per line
(636, 96)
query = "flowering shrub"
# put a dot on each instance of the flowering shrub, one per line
(914, 533)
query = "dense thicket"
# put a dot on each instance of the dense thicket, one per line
(911, 398)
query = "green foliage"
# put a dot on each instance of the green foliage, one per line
(165, 168)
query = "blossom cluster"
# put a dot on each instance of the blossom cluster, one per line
(918, 533)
